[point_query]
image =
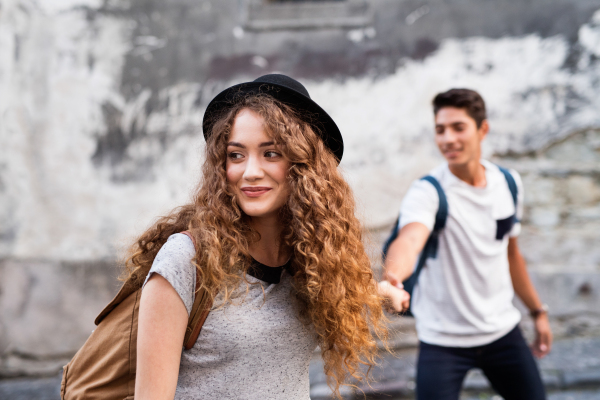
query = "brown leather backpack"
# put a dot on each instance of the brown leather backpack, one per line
(104, 367)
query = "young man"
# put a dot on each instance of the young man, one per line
(462, 301)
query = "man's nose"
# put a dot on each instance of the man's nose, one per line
(253, 169)
(448, 136)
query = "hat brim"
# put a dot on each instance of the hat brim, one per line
(308, 110)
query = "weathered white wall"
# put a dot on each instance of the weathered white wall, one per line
(63, 202)
(57, 204)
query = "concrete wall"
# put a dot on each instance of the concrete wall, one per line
(101, 104)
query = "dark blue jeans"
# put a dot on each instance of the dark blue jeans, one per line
(507, 363)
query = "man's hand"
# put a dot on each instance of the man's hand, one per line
(543, 336)
(397, 299)
(392, 278)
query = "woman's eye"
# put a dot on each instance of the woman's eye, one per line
(272, 154)
(234, 156)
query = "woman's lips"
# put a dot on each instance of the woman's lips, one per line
(255, 191)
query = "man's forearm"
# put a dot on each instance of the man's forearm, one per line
(403, 252)
(520, 277)
(400, 259)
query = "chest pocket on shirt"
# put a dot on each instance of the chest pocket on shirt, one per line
(503, 226)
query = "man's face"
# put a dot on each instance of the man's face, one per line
(457, 135)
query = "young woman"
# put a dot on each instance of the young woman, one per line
(277, 246)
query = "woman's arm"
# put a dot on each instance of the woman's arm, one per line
(161, 328)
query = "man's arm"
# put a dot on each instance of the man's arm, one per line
(527, 293)
(403, 252)
(399, 263)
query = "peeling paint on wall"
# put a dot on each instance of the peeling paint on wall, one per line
(95, 158)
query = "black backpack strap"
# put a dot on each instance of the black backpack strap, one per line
(440, 217)
(391, 238)
(512, 186)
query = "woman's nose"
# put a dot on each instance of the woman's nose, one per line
(253, 169)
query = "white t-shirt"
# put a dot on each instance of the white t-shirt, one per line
(463, 297)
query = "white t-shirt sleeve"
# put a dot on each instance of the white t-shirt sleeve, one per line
(174, 263)
(516, 229)
(420, 205)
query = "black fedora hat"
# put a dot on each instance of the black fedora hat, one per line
(286, 90)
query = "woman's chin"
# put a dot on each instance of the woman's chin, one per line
(260, 212)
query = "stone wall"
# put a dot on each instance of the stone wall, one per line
(101, 104)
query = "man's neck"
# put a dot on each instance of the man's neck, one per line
(472, 173)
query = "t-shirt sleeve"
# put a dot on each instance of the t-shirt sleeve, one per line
(516, 229)
(419, 205)
(174, 263)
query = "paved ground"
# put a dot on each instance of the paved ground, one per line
(570, 372)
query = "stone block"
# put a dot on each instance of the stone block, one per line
(545, 217)
(593, 394)
(47, 311)
(539, 191)
(31, 389)
(322, 391)
(587, 377)
(571, 247)
(475, 380)
(583, 190)
(568, 293)
(579, 215)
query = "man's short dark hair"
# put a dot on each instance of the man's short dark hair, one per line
(467, 99)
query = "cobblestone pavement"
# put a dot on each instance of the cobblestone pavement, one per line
(30, 389)
(570, 372)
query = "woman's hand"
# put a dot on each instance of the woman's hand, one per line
(397, 299)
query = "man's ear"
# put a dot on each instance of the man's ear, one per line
(484, 129)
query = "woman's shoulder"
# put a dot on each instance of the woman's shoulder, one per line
(174, 263)
(177, 252)
(178, 245)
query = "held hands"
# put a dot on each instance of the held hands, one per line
(397, 299)
(543, 336)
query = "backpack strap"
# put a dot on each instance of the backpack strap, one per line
(200, 309)
(440, 217)
(431, 246)
(391, 238)
(512, 186)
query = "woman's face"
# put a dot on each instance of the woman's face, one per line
(256, 169)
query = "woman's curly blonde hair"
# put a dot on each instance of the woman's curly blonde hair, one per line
(333, 279)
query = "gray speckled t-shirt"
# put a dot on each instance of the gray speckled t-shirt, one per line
(253, 348)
